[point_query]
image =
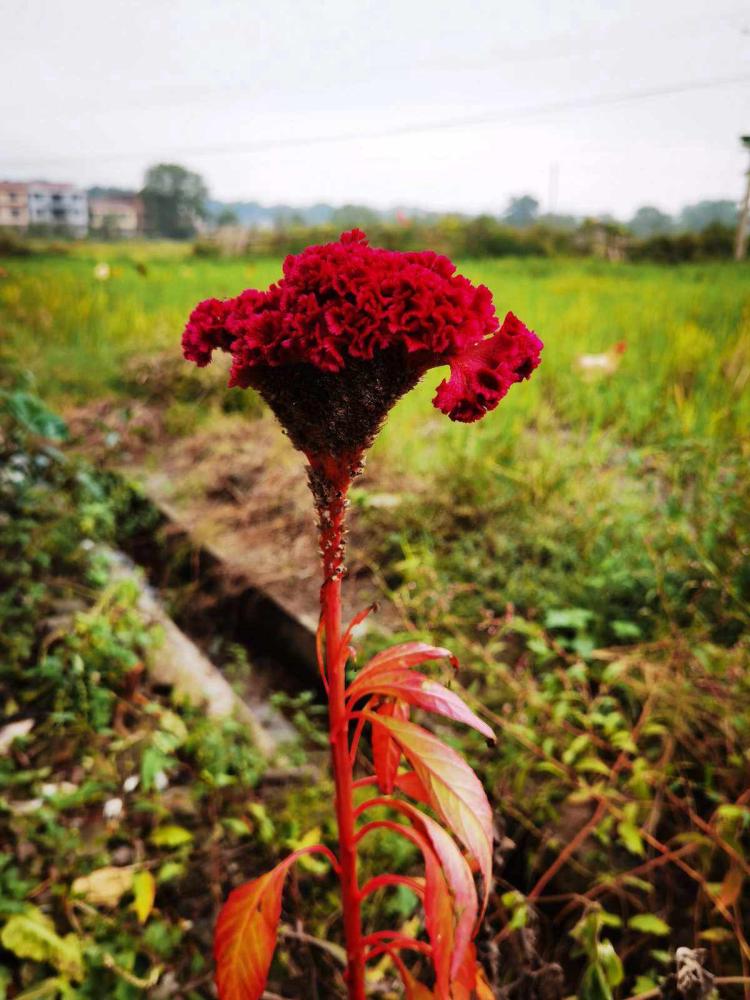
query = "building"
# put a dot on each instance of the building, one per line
(14, 205)
(116, 216)
(60, 206)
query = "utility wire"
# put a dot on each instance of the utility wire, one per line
(465, 121)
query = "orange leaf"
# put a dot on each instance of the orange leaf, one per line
(483, 989)
(455, 792)
(414, 989)
(246, 931)
(470, 982)
(386, 753)
(465, 977)
(731, 886)
(419, 691)
(438, 918)
(245, 936)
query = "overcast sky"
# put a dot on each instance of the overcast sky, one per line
(589, 105)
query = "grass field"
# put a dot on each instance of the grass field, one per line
(586, 550)
(587, 488)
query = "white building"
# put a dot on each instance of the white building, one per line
(58, 205)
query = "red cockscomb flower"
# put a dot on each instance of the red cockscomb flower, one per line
(344, 308)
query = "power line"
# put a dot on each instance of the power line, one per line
(466, 121)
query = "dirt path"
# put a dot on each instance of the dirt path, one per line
(236, 485)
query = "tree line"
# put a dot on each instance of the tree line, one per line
(177, 206)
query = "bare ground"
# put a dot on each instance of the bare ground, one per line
(236, 485)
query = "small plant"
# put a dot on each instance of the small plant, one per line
(331, 347)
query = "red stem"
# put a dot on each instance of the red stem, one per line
(331, 542)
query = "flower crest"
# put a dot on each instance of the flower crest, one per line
(346, 309)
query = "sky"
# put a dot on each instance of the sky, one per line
(590, 106)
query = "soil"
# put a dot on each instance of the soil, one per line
(237, 486)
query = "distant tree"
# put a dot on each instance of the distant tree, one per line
(173, 200)
(104, 191)
(650, 221)
(348, 216)
(227, 217)
(696, 218)
(521, 211)
(554, 220)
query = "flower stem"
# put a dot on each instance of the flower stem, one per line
(331, 542)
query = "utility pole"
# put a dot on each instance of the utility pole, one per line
(740, 246)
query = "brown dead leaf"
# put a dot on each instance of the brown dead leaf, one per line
(105, 886)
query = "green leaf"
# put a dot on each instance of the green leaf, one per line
(573, 618)
(153, 762)
(237, 827)
(624, 741)
(577, 746)
(170, 836)
(610, 963)
(730, 811)
(56, 986)
(594, 985)
(630, 835)
(592, 765)
(637, 883)
(32, 414)
(316, 866)
(171, 723)
(32, 935)
(644, 983)
(170, 870)
(648, 923)
(613, 671)
(263, 823)
(625, 629)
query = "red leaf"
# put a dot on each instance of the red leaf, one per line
(385, 750)
(458, 876)
(420, 691)
(461, 883)
(246, 931)
(357, 620)
(408, 654)
(410, 784)
(455, 792)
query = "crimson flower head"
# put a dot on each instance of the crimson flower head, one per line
(349, 329)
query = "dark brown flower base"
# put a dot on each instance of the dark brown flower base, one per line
(337, 414)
